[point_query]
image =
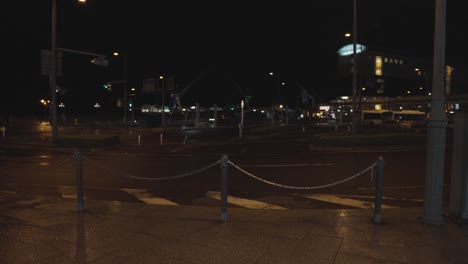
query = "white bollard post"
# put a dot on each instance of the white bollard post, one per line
(161, 138)
(139, 141)
(3, 130)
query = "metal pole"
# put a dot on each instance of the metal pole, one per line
(215, 115)
(354, 115)
(224, 174)
(378, 192)
(79, 182)
(437, 125)
(163, 120)
(53, 72)
(125, 91)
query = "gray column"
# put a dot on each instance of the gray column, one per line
(437, 125)
(459, 177)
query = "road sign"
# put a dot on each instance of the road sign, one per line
(148, 86)
(46, 63)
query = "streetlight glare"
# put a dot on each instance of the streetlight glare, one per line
(271, 74)
(116, 54)
(347, 35)
(161, 77)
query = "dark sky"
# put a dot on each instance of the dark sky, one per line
(232, 44)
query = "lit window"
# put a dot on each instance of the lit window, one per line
(401, 61)
(386, 59)
(378, 65)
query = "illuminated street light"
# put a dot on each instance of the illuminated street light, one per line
(116, 54)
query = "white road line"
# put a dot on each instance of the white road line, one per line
(145, 196)
(251, 204)
(343, 201)
(396, 187)
(383, 198)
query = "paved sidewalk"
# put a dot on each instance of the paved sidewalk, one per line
(114, 232)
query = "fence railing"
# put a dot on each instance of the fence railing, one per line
(376, 168)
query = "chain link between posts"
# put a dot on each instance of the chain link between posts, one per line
(371, 167)
(150, 178)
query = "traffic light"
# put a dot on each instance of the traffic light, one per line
(107, 86)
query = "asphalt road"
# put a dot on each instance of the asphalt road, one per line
(279, 171)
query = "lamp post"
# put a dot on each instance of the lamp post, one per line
(354, 116)
(125, 108)
(53, 71)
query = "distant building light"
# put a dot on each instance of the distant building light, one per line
(192, 107)
(344, 97)
(349, 49)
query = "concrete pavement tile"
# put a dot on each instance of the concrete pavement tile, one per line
(356, 222)
(393, 252)
(179, 229)
(63, 259)
(320, 248)
(14, 251)
(352, 233)
(289, 259)
(73, 251)
(385, 261)
(427, 254)
(348, 258)
(362, 248)
(384, 234)
(287, 230)
(109, 259)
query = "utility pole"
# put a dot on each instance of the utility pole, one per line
(354, 117)
(163, 121)
(53, 73)
(125, 92)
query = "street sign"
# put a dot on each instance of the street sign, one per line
(100, 61)
(46, 63)
(148, 86)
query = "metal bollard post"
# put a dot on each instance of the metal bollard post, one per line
(79, 182)
(224, 175)
(378, 191)
(139, 139)
(161, 139)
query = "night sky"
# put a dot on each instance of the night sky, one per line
(230, 46)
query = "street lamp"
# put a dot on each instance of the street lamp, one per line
(354, 116)
(116, 54)
(423, 74)
(53, 70)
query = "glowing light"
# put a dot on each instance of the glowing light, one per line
(349, 49)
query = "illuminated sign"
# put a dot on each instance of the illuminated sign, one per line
(349, 49)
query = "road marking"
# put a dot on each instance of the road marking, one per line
(343, 201)
(384, 198)
(251, 204)
(288, 165)
(396, 187)
(147, 197)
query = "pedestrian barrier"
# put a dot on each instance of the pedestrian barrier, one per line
(224, 163)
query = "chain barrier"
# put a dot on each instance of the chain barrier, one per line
(371, 167)
(148, 178)
(62, 163)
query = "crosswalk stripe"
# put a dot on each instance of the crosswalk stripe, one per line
(145, 196)
(343, 201)
(247, 203)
